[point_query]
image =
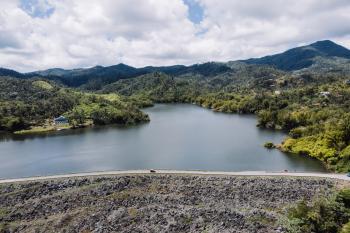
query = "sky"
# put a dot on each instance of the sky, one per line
(42, 34)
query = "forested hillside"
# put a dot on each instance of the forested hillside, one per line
(313, 108)
(330, 55)
(25, 103)
(310, 102)
(304, 56)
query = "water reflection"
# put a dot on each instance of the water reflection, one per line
(183, 137)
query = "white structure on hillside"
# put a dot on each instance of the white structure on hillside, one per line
(61, 120)
(325, 93)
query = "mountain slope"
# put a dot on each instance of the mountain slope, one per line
(322, 54)
(303, 57)
(95, 76)
(52, 72)
(98, 76)
(10, 73)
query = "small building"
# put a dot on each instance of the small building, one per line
(277, 92)
(61, 120)
(325, 93)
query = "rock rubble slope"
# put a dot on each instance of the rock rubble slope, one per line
(155, 203)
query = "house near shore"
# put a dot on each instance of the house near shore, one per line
(61, 120)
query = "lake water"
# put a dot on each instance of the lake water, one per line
(179, 136)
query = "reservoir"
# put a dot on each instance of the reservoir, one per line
(179, 136)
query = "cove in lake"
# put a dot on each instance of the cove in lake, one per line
(179, 136)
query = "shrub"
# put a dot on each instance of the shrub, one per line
(323, 215)
(269, 145)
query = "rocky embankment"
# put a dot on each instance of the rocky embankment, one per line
(154, 203)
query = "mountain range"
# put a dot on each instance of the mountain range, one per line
(325, 52)
(302, 57)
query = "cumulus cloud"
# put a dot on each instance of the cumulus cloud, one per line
(40, 34)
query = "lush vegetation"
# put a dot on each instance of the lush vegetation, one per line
(302, 57)
(269, 145)
(323, 215)
(26, 103)
(313, 108)
(311, 104)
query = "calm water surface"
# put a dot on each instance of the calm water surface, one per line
(179, 136)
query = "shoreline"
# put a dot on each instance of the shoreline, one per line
(337, 176)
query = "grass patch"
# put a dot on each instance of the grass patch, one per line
(125, 194)
(133, 212)
(3, 212)
(43, 85)
(36, 129)
(261, 219)
(110, 97)
(188, 220)
(41, 129)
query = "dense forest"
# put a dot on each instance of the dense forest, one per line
(311, 104)
(312, 108)
(323, 214)
(26, 103)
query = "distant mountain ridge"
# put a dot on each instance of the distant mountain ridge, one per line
(99, 75)
(302, 57)
(12, 73)
(321, 52)
(210, 68)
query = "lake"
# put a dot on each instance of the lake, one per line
(179, 136)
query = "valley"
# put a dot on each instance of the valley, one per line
(287, 91)
(174, 116)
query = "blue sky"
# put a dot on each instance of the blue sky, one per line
(37, 8)
(195, 12)
(41, 34)
(42, 9)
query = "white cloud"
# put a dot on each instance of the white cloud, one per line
(259, 28)
(80, 33)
